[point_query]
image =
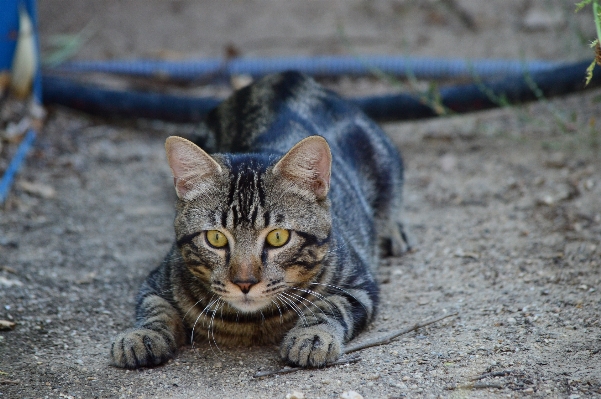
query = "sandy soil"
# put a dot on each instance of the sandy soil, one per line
(504, 207)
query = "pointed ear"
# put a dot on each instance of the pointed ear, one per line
(192, 168)
(309, 165)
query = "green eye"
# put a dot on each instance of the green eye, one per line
(277, 237)
(216, 239)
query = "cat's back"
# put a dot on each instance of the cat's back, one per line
(276, 112)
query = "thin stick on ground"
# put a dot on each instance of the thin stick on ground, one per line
(392, 335)
(357, 347)
(287, 370)
(475, 385)
(503, 373)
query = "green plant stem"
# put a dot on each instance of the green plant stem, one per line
(597, 16)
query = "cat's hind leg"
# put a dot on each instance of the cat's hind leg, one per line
(397, 240)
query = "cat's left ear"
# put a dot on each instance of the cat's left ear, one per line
(308, 164)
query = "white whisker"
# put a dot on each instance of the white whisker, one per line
(210, 330)
(279, 310)
(191, 307)
(289, 294)
(293, 306)
(287, 303)
(319, 296)
(211, 302)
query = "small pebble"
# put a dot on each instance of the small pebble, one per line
(511, 320)
(350, 395)
(295, 395)
(37, 189)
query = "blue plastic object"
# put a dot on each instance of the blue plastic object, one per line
(515, 89)
(422, 68)
(9, 27)
(15, 164)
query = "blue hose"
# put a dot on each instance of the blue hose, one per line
(522, 81)
(15, 164)
(324, 66)
(514, 89)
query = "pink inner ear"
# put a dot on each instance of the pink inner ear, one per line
(190, 166)
(321, 188)
(308, 163)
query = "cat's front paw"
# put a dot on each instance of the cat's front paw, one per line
(312, 346)
(140, 347)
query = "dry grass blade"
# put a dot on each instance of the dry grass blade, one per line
(287, 370)
(392, 335)
(475, 385)
(503, 373)
(9, 382)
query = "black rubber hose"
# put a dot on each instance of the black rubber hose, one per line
(99, 101)
(452, 99)
(480, 96)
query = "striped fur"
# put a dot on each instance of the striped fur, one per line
(267, 171)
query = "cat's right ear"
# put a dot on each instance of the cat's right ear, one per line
(191, 167)
(308, 164)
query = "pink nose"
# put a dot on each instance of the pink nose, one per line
(245, 286)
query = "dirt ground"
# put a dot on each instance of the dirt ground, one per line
(504, 207)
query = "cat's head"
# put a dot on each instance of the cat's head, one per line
(250, 226)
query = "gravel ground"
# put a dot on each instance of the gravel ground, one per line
(503, 205)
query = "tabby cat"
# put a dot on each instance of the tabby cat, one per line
(277, 232)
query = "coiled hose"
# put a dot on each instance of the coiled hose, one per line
(521, 82)
(324, 66)
(499, 82)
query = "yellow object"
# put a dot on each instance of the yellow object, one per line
(278, 237)
(216, 238)
(25, 60)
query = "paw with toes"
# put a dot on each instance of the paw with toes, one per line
(311, 346)
(140, 347)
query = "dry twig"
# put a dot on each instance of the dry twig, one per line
(287, 370)
(363, 345)
(474, 385)
(390, 336)
(503, 373)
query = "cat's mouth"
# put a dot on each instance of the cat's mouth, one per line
(248, 304)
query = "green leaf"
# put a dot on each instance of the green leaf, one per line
(589, 72)
(582, 4)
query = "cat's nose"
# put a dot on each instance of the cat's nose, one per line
(245, 285)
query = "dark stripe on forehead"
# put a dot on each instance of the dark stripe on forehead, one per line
(246, 196)
(261, 190)
(253, 218)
